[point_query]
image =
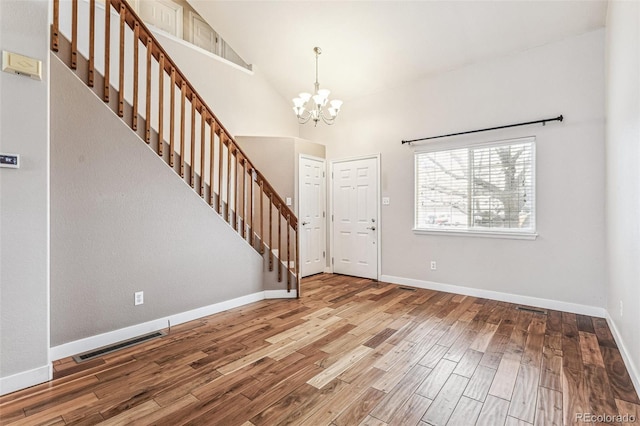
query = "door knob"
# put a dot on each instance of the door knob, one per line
(373, 228)
(305, 223)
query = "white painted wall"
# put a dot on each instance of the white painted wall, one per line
(566, 262)
(623, 177)
(24, 201)
(244, 102)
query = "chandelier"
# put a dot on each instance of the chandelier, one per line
(315, 110)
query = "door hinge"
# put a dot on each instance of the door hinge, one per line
(323, 255)
(331, 218)
(323, 214)
(332, 260)
(322, 174)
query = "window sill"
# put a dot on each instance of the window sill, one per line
(510, 235)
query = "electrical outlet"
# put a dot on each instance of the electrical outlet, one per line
(433, 265)
(621, 308)
(138, 298)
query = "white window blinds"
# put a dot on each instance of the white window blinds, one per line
(477, 188)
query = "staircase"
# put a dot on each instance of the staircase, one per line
(118, 57)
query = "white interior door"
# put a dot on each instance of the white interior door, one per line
(202, 35)
(162, 14)
(312, 216)
(355, 217)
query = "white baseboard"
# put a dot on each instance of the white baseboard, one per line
(576, 308)
(280, 294)
(94, 342)
(628, 361)
(26, 379)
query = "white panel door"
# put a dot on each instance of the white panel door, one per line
(202, 35)
(162, 14)
(312, 216)
(355, 217)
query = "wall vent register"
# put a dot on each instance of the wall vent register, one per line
(117, 346)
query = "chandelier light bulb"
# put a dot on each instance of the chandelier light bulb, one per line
(324, 93)
(305, 97)
(319, 100)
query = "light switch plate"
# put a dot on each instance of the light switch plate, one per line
(21, 65)
(11, 161)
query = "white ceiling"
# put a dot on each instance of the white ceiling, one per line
(368, 46)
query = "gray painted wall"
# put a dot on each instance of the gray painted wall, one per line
(24, 200)
(122, 221)
(623, 175)
(566, 262)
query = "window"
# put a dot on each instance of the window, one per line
(486, 189)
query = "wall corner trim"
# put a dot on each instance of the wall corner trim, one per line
(26, 379)
(576, 308)
(628, 361)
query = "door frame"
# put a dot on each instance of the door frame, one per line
(376, 157)
(298, 198)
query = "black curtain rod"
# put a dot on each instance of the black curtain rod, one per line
(558, 118)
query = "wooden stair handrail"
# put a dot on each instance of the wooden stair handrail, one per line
(241, 200)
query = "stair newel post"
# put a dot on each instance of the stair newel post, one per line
(203, 122)
(136, 47)
(211, 159)
(107, 49)
(74, 34)
(192, 162)
(183, 98)
(92, 41)
(55, 27)
(161, 104)
(123, 14)
(147, 118)
(288, 269)
(172, 117)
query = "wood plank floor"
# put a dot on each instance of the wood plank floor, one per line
(350, 351)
